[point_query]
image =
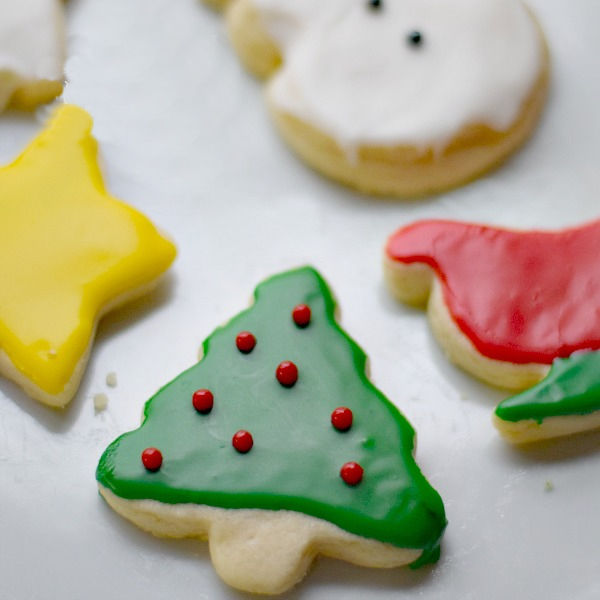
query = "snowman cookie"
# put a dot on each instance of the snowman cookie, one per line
(32, 49)
(276, 447)
(395, 97)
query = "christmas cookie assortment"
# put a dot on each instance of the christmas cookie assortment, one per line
(32, 49)
(397, 98)
(506, 306)
(70, 253)
(276, 447)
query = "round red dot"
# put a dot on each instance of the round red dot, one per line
(203, 401)
(352, 473)
(287, 373)
(341, 418)
(301, 315)
(152, 459)
(245, 342)
(242, 441)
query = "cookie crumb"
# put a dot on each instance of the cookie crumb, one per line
(111, 379)
(100, 402)
(548, 486)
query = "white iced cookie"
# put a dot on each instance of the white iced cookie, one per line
(32, 52)
(397, 97)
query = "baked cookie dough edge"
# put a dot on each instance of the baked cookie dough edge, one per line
(256, 550)
(417, 284)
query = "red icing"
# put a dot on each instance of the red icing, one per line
(341, 418)
(519, 296)
(152, 459)
(301, 315)
(203, 401)
(245, 342)
(351, 473)
(287, 373)
(242, 441)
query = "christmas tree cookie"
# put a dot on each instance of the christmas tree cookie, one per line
(567, 401)
(276, 447)
(503, 304)
(69, 253)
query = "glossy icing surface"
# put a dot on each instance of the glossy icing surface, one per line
(297, 455)
(572, 387)
(519, 296)
(351, 72)
(67, 248)
(32, 42)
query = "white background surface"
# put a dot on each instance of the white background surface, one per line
(184, 136)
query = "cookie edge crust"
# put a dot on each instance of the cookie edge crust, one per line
(416, 284)
(400, 171)
(256, 49)
(528, 431)
(240, 539)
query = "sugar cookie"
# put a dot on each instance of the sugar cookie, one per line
(503, 304)
(32, 52)
(397, 98)
(71, 253)
(567, 401)
(276, 447)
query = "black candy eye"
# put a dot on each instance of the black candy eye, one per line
(415, 39)
(375, 4)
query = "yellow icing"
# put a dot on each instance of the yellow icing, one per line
(68, 250)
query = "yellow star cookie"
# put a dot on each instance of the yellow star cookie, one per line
(69, 252)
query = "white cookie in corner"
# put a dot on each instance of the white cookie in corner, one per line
(32, 52)
(397, 97)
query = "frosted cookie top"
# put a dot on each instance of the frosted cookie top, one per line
(31, 39)
(397, 72)
(288, 387)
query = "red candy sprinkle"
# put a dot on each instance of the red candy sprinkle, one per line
(287, 373)
(301, 315)
(245, 342)
(352, 473)
(152, 459)
(242, 441)
(203, 401)
(341, 418)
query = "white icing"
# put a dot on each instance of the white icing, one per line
(350, 71)
(31, 40)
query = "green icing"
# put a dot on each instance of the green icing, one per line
(572, 387)
(297, 454)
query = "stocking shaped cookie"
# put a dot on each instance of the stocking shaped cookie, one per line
(503, 304)
(32, 48)
(277, 447)
(399, 97)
